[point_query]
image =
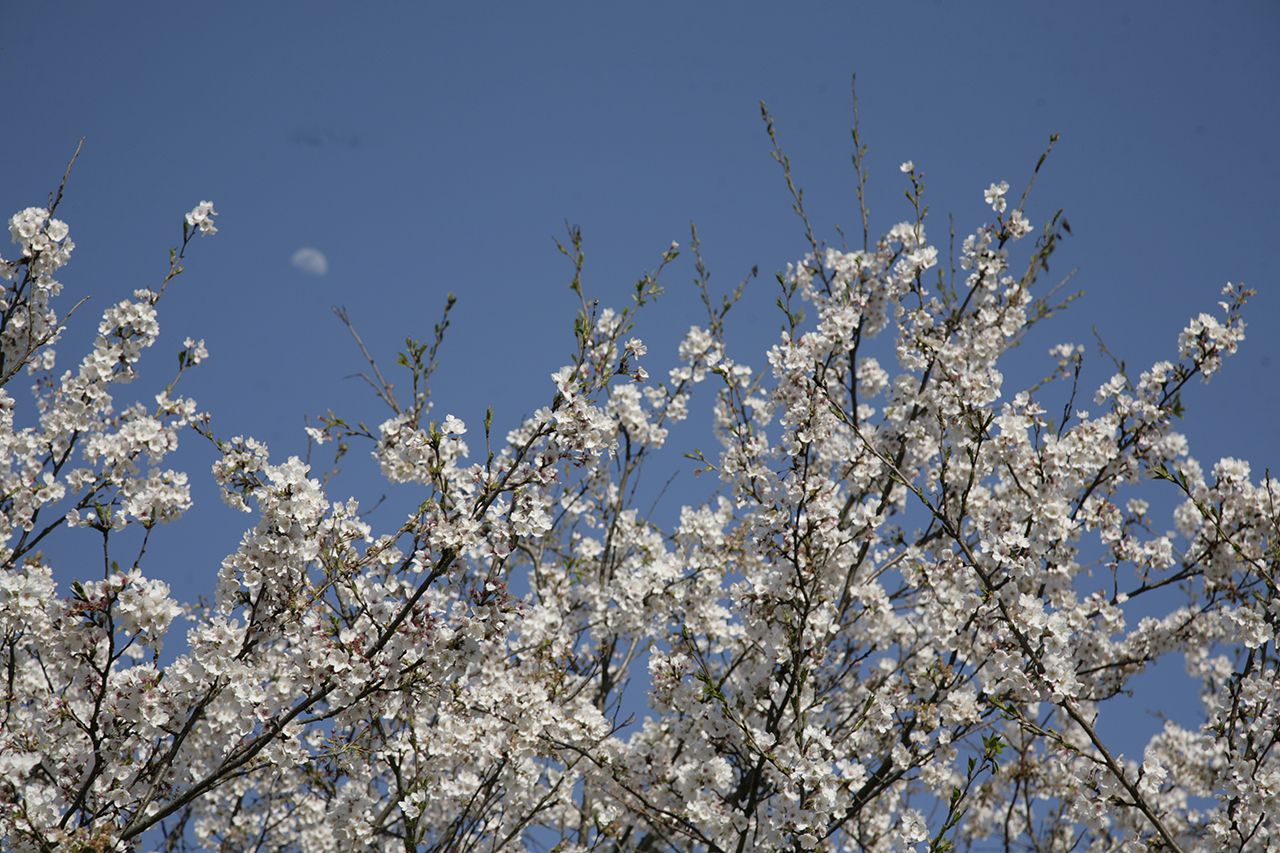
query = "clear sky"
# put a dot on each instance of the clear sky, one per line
(429, 147)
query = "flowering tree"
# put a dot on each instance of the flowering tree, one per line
(893, 626)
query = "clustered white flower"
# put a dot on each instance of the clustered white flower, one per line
(201, 218)
(994, 196)
(897, 621)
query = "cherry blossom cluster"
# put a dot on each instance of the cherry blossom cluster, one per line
(895, 623)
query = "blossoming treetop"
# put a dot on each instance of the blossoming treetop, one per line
(895, 624)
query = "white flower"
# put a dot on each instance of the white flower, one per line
(1019, 226)
(201, 217)
(907, 167)
(194, 351)
(145, 605)
(994, 196)
(453, 426)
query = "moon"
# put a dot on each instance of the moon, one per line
(310, 261)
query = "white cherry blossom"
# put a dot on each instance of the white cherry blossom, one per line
(897, 620)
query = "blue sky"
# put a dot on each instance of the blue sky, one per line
(427, 147)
